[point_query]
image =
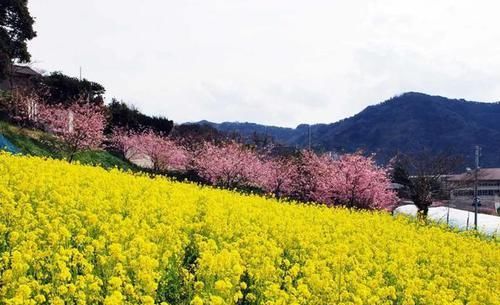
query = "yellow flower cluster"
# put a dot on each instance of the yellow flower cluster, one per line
(73, 234)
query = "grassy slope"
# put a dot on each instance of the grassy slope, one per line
(38, 143)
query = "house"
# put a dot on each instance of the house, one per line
(461, 189)
(20, 77)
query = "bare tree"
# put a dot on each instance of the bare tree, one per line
(422, 174)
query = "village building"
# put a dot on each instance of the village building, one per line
(19, 77)
(461, 189)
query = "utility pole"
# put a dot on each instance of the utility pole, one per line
(476, 173)
(448, 214)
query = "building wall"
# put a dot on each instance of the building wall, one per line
(4, 85)
(488, 193)
(21, 81)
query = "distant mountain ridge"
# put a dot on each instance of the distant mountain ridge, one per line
(405, 123)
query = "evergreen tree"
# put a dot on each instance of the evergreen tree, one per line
(16, 28)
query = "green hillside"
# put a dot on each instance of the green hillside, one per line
(38, 143)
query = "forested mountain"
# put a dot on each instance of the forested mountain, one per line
(406, 123)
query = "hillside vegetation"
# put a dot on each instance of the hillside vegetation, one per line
(37, 143)
(74, 234)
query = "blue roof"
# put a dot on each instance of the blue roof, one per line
(7, 145)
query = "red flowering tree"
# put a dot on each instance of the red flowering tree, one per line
(228, 165)
(357, 181)
(79, 126)
(150, 149)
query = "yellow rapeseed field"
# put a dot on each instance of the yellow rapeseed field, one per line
(73, 234)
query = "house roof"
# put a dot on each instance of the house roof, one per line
(25, 70)
(484, 174)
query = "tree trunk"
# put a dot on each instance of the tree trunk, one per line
(422, 213)
(72, 154)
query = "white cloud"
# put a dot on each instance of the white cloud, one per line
(280, 62)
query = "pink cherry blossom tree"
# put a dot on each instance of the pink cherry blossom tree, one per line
(23, 107)
(357, 181)
(228, 165)
(277, 176)
(310, 176)
(79, 126)
(352, 180)
(150, 149)
(123, 141)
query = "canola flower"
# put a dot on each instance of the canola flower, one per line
(73, 234)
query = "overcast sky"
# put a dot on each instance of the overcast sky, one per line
(280, 62)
